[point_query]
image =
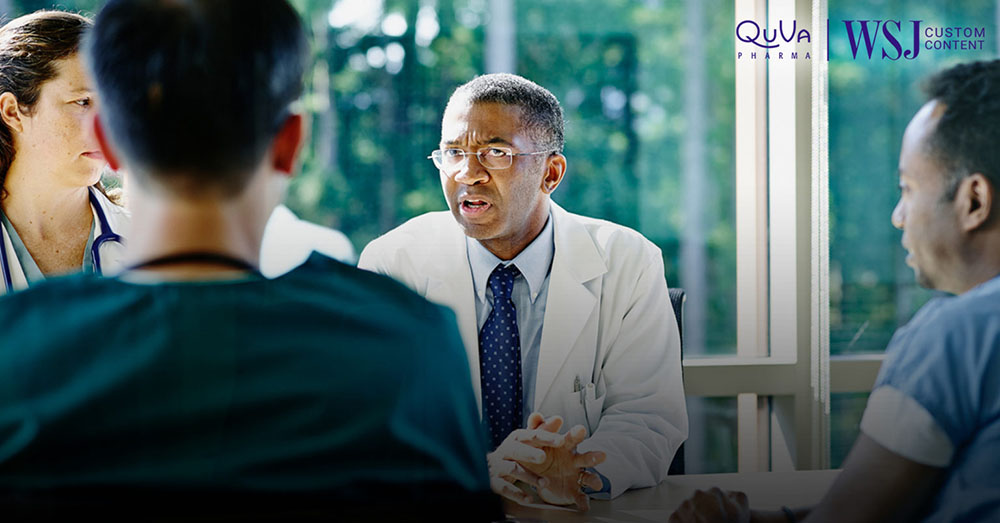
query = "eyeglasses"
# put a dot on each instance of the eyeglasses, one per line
(451, 160)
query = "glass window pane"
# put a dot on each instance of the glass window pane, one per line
(872, 290)
(845, 416)
(625, 76)
(711, 445)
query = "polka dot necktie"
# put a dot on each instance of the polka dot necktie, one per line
(500, 358)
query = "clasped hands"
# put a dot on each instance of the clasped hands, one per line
(543, 458)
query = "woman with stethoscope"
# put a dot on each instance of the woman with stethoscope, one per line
(56, 216)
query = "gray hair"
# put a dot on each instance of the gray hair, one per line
(540, 110)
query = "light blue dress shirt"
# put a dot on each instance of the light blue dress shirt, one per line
(530, 291)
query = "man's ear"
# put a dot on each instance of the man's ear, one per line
(10, 111)
(555, 169)
(287, 144)
(975, 201)
(107, 150)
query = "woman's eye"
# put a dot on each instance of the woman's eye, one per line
(83, 102)
(496, 153)
(453, 153)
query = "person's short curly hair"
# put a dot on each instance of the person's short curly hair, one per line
(540, 110)
(966, 139)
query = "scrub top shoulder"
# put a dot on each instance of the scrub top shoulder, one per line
(318, 379)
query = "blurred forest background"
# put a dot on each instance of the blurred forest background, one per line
(648, 91)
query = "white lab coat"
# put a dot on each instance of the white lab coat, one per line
(111, 253)
(288, 242)
(608, 329)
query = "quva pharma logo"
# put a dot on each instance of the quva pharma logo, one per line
(749, 32)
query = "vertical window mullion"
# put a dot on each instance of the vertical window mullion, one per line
(751, 230)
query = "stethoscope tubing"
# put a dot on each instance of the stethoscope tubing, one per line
(107, 235)
(8, 282)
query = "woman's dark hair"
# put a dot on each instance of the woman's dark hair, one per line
(29, 47)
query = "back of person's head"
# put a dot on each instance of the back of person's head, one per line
(30, 46)
(541, 113)
(966, 139)
(193, 92)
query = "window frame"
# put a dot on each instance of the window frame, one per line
(782, 374)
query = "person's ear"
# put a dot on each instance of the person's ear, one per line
(10, 111)
(975, 200)
(287, 144)
(555, 169)
(107, 149)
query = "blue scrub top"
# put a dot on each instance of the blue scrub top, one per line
(947, 359)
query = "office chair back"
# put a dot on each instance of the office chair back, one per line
(677, 299)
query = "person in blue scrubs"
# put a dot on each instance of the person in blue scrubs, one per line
(190, 383)
(55, 216)
(931, 429)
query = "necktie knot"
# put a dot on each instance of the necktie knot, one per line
(501, 281)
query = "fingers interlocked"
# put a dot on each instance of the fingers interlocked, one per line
(540, 457)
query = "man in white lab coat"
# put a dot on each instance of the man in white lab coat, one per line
(561, 315)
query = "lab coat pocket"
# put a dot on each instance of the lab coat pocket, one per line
(593, 405)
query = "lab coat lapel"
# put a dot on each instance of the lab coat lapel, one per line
(18, 279)
(449, 282)
(571, 301)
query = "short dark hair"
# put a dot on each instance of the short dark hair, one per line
(196, 87)
(540, 110)
(966, 138)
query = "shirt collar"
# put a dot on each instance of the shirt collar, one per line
(533, 262)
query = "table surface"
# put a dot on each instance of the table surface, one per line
(766, 490)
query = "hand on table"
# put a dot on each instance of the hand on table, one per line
(713, 506)
(565, 469)
(541, 457)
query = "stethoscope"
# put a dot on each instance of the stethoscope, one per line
(107, 235)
